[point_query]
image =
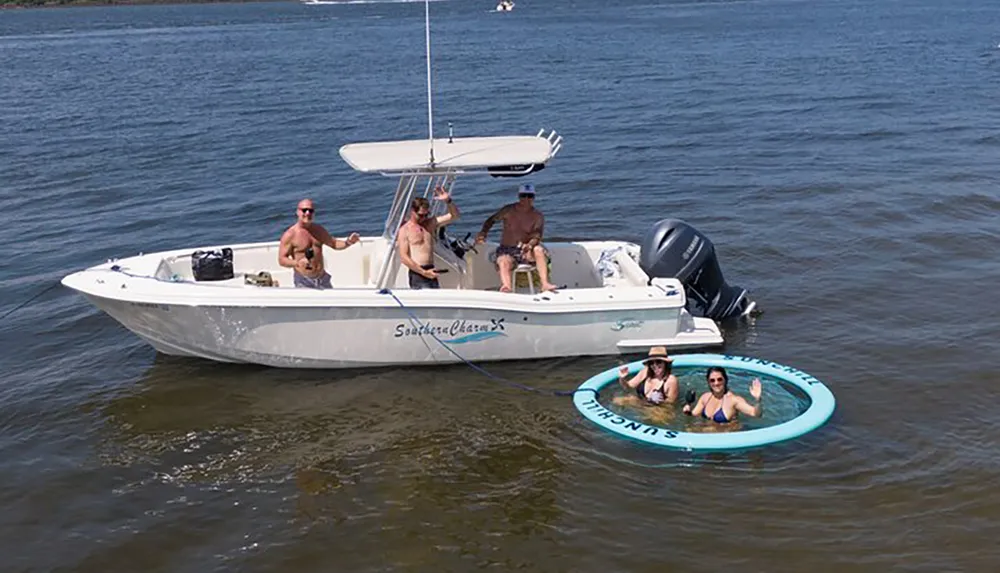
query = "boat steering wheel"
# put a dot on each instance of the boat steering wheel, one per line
(457, 246)
(465, 245)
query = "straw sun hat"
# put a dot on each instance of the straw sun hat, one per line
(658, 353)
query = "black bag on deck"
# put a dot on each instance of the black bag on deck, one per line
(212, 265)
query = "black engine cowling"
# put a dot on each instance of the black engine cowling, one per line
(674, 249)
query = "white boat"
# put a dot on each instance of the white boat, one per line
(609, 304)
(505, 6)
(373, 318)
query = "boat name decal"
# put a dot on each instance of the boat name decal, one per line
(457, 332)
(637, 428)
(151, 305)
(624, 323)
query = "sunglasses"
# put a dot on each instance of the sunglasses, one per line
(423, 213)
(716, 379)
(307, 210)
(525, 196)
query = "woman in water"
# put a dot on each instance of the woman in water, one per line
(654, 384)
(723, 404)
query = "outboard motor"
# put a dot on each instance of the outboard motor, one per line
(674, 249)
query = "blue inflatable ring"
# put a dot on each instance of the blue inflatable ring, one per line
(819, 411)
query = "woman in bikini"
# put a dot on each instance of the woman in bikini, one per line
(723, 405)
(654, 384)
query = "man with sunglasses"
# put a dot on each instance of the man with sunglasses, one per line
(301, 248)
(521, 240)
(415, 242)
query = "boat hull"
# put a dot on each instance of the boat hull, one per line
(352, 337)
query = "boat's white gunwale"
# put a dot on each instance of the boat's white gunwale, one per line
(170, 294)
(134, 283)
(149, 258)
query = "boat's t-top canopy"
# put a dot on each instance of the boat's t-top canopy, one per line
(419, 174)
(499, 156)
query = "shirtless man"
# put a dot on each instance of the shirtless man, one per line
(301, 248)
(416, 239)
(521, 241)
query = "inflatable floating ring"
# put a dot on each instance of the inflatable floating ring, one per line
(820, 408)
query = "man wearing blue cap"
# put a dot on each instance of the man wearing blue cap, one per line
(521, 240)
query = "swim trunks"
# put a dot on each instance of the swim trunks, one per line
(516, 253)
(320, 282)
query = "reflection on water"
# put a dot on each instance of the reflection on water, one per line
(195, 422)
(392, 455)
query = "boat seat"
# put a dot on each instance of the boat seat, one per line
(527, 272)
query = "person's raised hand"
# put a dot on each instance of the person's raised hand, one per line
(440, 194)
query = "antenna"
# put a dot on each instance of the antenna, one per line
(430, 107)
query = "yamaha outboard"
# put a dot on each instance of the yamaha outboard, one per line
(674, 249)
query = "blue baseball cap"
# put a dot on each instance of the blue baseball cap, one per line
(526, 189)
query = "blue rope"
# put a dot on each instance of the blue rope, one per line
(416, 322)
(29, 301)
